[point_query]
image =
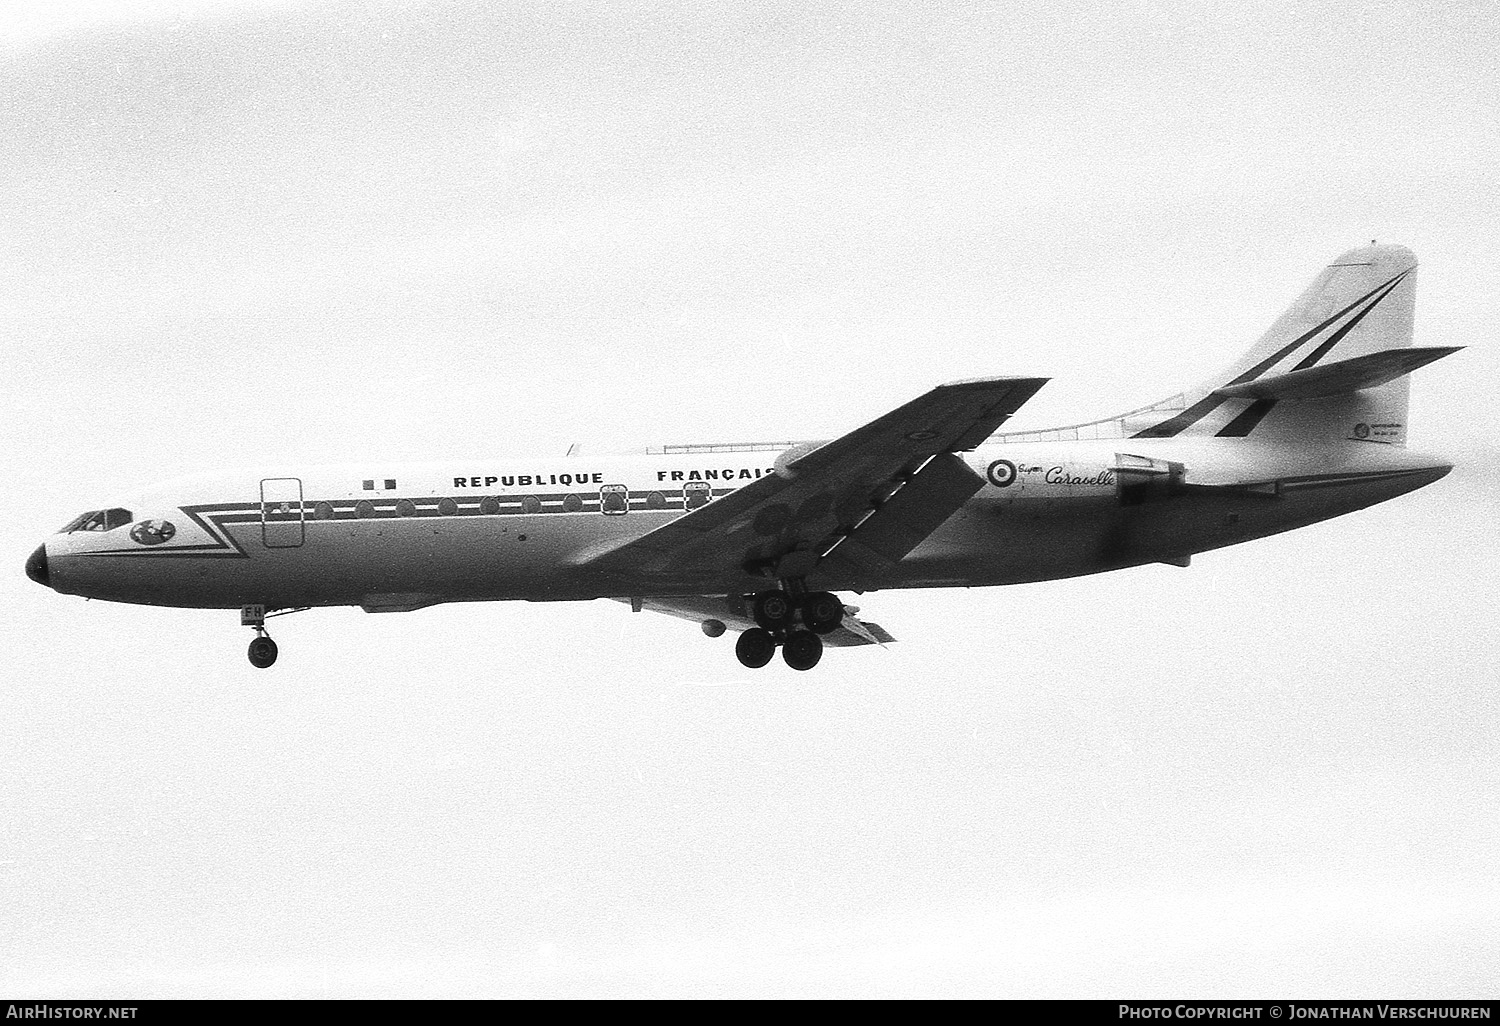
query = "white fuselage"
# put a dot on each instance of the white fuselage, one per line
(403, 536)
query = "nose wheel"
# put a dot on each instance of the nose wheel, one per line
(262, 651)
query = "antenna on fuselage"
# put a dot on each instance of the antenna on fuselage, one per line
(576, 449)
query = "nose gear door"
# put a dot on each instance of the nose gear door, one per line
(281, 522)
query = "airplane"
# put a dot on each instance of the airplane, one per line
(761, 538)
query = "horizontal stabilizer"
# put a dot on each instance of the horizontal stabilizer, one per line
(1338, 378)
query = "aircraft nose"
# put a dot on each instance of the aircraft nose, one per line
(36, 566)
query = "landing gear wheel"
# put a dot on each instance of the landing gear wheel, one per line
(773, 610)
(802, 650)
(755, 648)
(823, 612)
(262, 652)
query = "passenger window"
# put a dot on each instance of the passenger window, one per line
(531, 504)
(656, 500)
(323, 511)
(573, 503)
(364, 508)
(614, 499)
(406, 508)
(695, 494)
(447, 507)
(489, 505)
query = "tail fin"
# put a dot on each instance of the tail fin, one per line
(1362, 304)
(1330, 368)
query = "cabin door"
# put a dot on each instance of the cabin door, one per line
(281, 512)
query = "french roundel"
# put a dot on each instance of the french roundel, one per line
(1002, 473)
(152, 532)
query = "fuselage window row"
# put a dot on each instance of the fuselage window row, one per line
(612, 500)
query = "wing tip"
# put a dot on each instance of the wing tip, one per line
(998, 380)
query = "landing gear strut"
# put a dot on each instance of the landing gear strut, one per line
(777, 612)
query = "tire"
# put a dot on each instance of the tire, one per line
(822, 612)
(773, 610)
(755, 648)
(802, 650)
(262, 652)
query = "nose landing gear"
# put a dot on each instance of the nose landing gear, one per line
(262, 650)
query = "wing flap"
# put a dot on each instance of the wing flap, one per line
(900, 524)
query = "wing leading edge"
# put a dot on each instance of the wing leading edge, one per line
(784, 524)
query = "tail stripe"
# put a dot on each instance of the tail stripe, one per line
(1184, 420)
(1334, 339)
(1282, 353)
(1248, 418)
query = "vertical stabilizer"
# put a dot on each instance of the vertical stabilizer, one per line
(1361, 304)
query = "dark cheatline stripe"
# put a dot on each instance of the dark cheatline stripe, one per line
(1281, 354)
(1338, 336)
(1186, 419)
(1248, 418)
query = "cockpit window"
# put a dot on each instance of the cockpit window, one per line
(99, 520)
(76, 522)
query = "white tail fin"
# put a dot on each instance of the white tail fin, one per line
(1362, 304)
(1330, 368)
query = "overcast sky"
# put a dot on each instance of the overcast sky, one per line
(312, 232)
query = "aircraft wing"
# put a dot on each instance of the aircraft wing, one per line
(736, 617)
(882, 488)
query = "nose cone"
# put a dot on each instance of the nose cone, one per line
(36, 566)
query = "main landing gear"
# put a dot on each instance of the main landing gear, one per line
(793, 622)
